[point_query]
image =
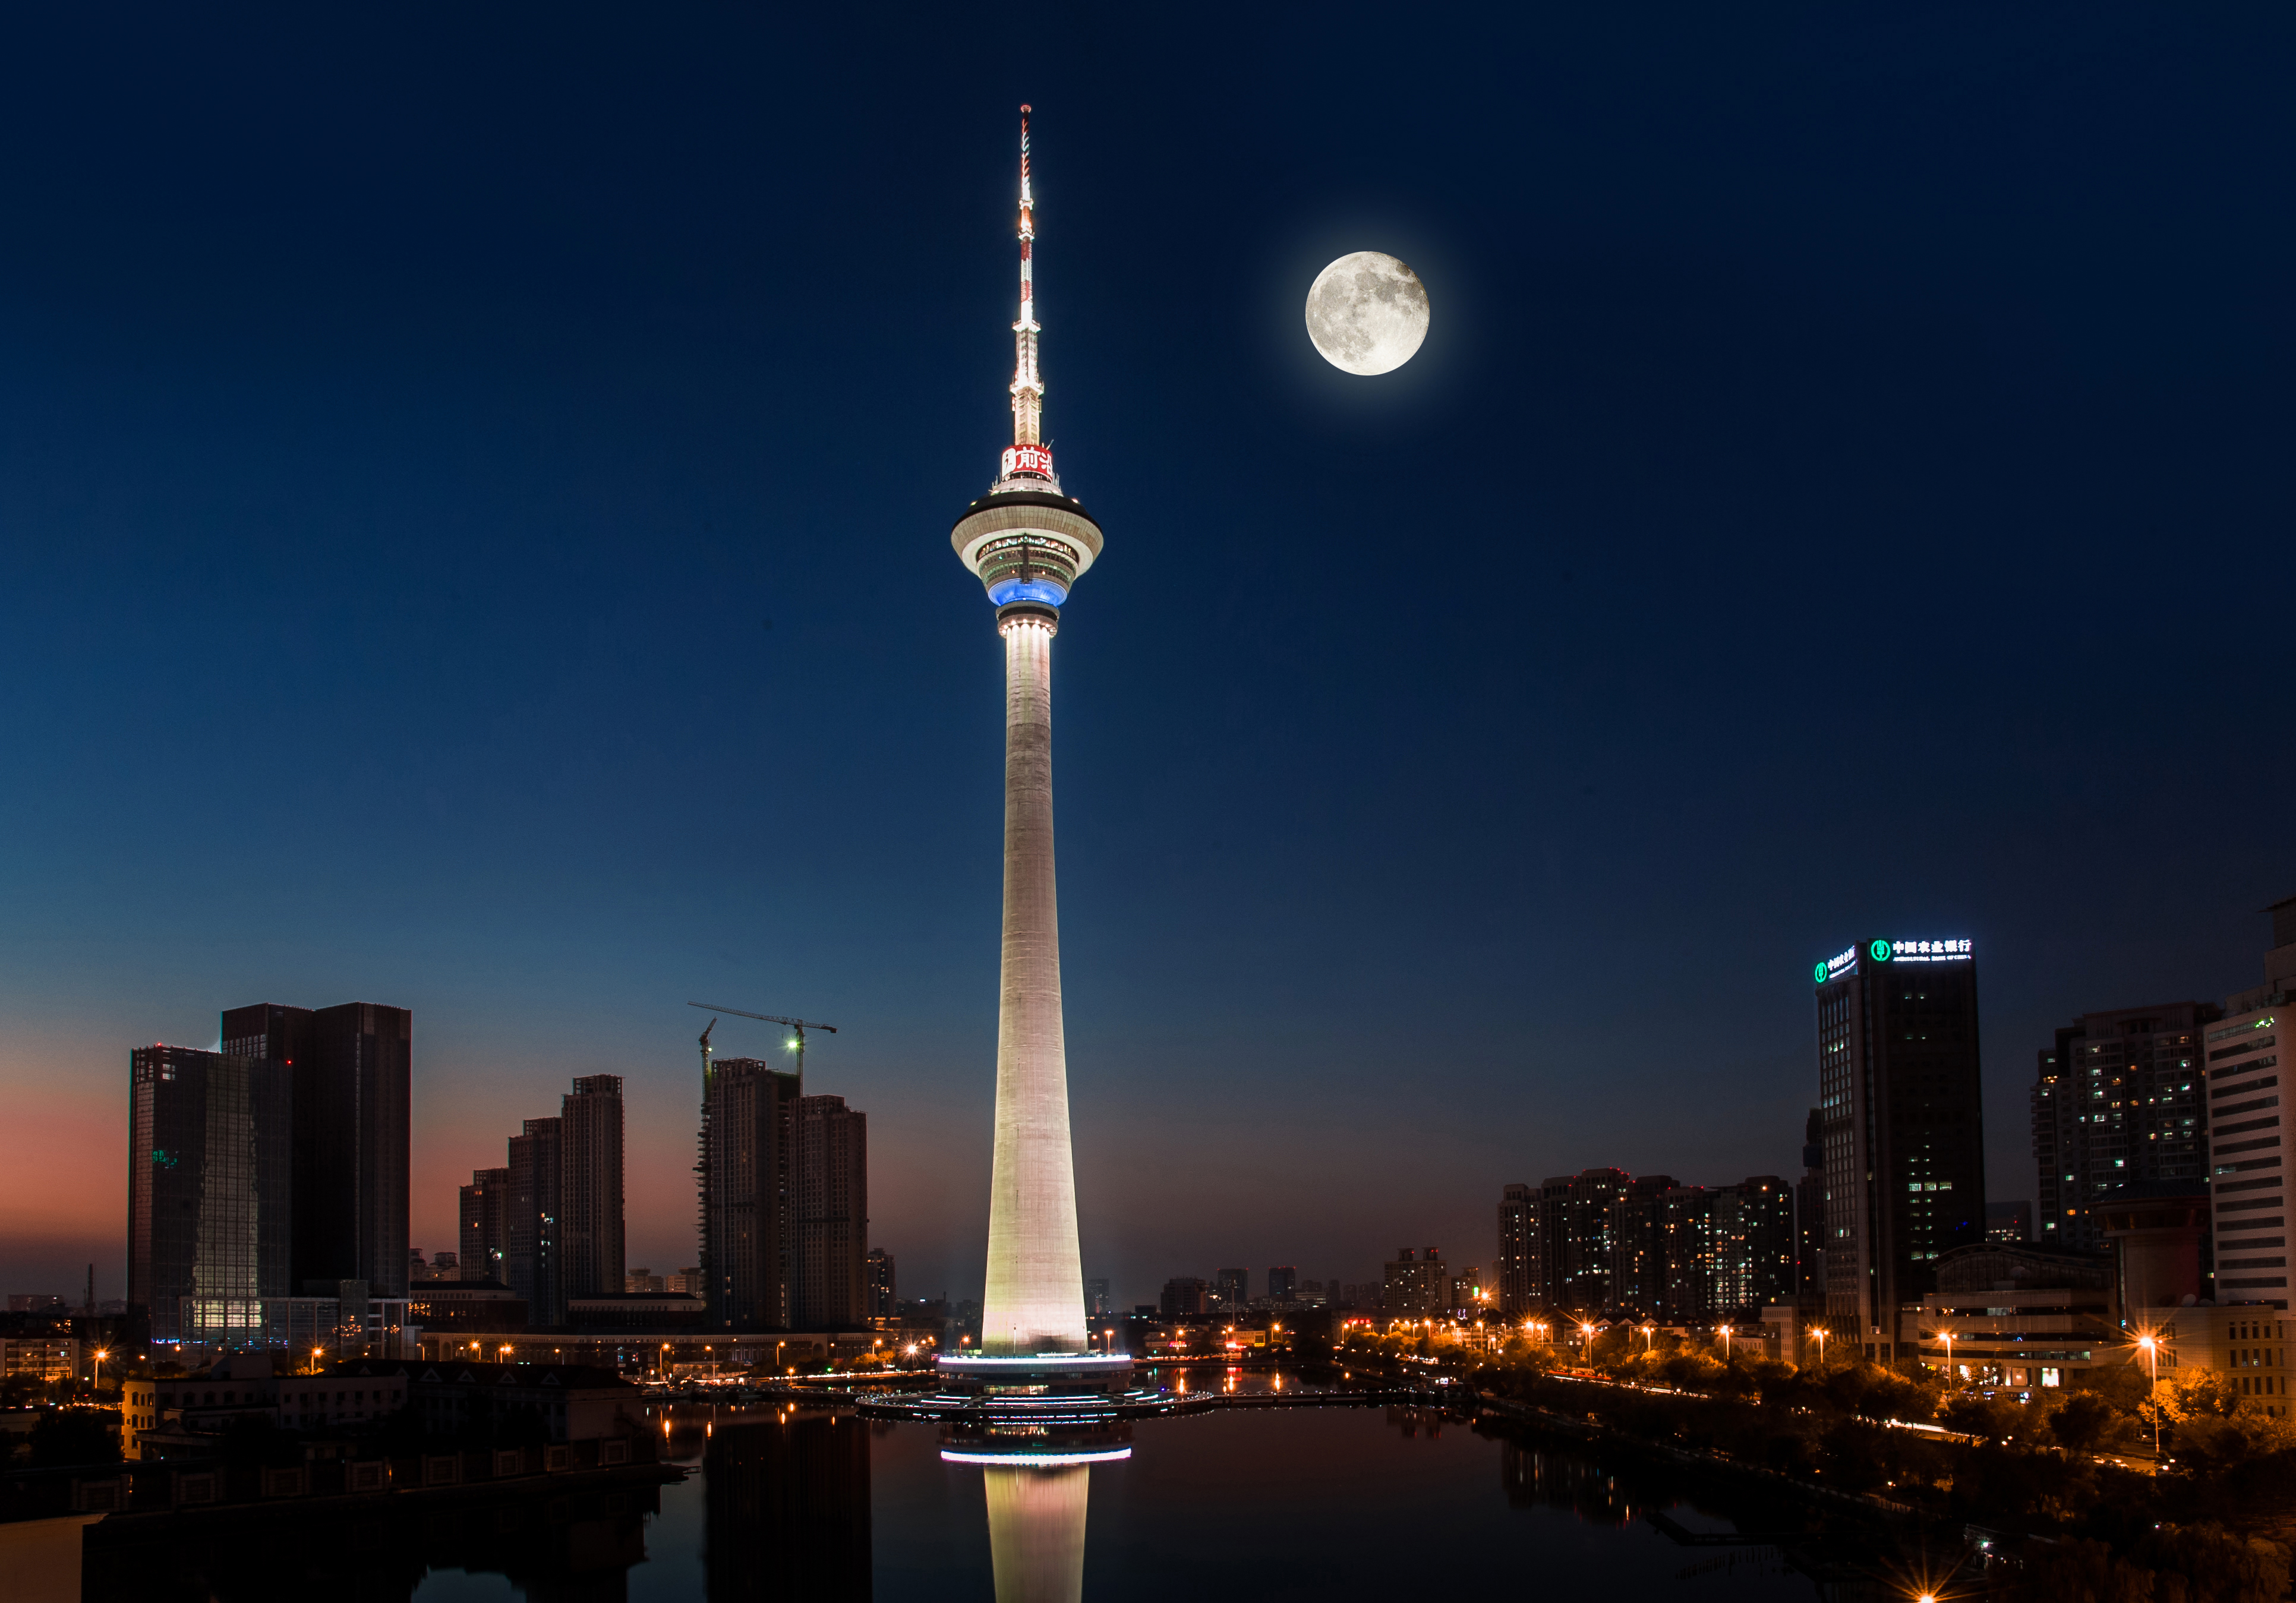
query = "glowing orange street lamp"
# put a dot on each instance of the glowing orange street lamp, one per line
(1726, 1344)
(2151, 1347)
(1649, 1335)
(1821, 1333)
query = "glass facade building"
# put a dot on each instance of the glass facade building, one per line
(1901, 1126)
(209, 1199)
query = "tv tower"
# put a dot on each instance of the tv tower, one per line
(1027, 542)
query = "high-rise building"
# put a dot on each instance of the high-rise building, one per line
(353, 1074)
(1233, 1287)
(590, 1233)
(750, 1157)
(1519, 1265)
(1638, 1238)
(1184, 1296)
(1903, 1126)
(1809, 1210)
(534, 1217)
(2251, 1148)
(1577, 1218)
(1283, 1282)
(1415, 1285)
(1693, 1231)
(2117, 1104)
(1028, 540)
(833, 1217)
(209, 1184)
(2010, 1221)
(483, 1208)
(884, 1291)
(1097, 1302)
(1759, 1264)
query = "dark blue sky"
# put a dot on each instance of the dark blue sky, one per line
(473, 507)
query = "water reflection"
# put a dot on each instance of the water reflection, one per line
(788, 1505)
(1540, 1477)
(1036, 1531)
(553, 1546)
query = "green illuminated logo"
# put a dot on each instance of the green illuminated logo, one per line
(1820, 975)
(1881, 951)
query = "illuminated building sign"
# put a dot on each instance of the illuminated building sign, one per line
(1920, 952)
(1036, 460)
(1892, 951)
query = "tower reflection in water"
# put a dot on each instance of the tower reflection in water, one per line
(1039, 1492)
(788, 1507)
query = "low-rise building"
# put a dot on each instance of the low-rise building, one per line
(637, 1312)
(44, 1357)
(2020, 1316)
(2249, 1342)
(444, 1307)
(574, 1403)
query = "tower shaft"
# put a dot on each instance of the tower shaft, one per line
(1034, 1297)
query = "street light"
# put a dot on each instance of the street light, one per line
(1821, 1333)
(1726, 1344)
(1650, 1336)
(2151, 1349)
(101, 1354)
(1946, 1336)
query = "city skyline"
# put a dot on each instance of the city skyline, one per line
(503, 576)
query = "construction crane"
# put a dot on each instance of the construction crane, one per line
(799, 1024)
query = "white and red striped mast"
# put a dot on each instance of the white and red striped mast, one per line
(1028, 454)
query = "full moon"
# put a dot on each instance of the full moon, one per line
(1367, 313)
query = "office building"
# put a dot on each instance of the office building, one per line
(2009, 1222)
(1638, 1237)
(1282, 1283)
(884, 1291)
(590, 1233)
(1809, 1211)
(2250, 1150)
(1758, 1267)
(209, 1191)
(642, 1281)
(748, 1237)
(483, 1208)
(832, 1291)
(1902, 1127)
(534, 1216)
(351, 1082)
(2116, 1105)
(1232, 1289)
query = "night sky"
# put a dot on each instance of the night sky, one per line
(474, 495)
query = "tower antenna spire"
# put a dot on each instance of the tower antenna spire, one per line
(1028, 456)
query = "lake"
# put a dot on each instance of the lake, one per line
(1305, 1502)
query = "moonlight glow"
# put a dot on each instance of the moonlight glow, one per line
(1367, 313)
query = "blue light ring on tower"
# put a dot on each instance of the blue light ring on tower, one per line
(1025, 564)
(1027, 544)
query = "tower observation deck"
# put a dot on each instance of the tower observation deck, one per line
(1027, 542)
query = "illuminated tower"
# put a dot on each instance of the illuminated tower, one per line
(1027, 542)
